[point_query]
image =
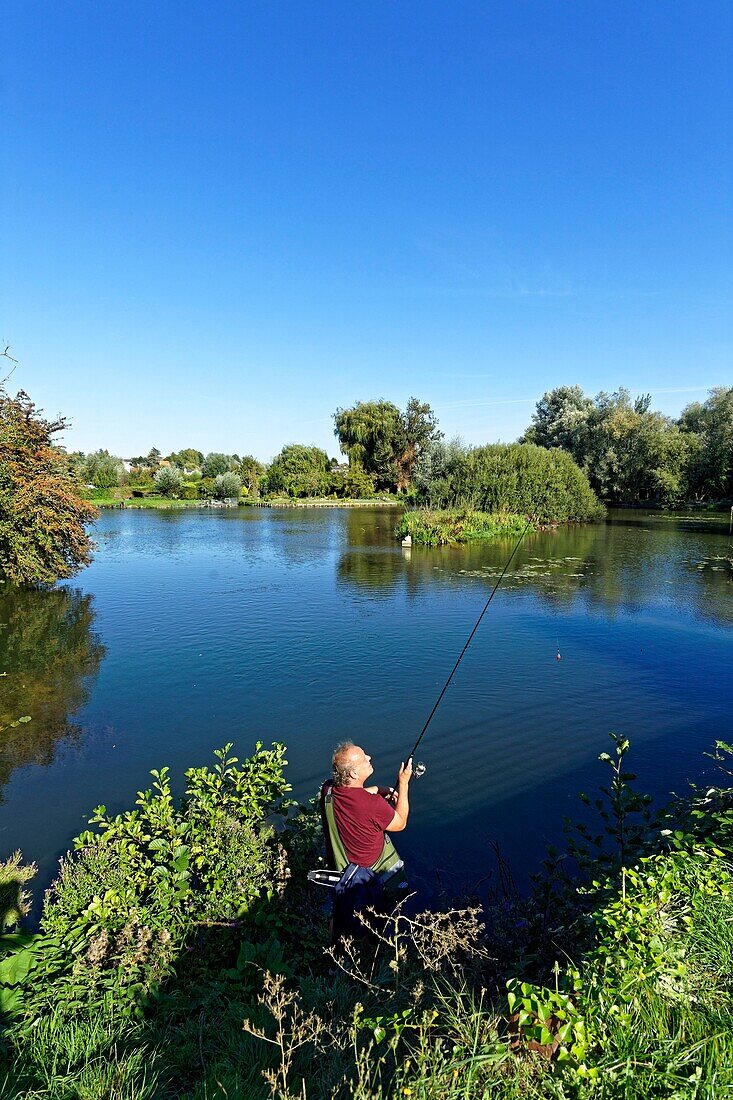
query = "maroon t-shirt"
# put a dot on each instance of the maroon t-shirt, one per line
(361, 819)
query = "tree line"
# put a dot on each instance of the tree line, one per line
(633, 454)
(629, 452)
(382, 444)
(575, 450)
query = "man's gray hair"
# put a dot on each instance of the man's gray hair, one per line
(342, 770)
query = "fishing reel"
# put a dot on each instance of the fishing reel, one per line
(418, 770)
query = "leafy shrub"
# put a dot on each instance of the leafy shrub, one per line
(227, 486)
(189, 492)
(14, 874)
(168, 481)
(518, 478)
(205, 488)
(358, 484)
(136, 886)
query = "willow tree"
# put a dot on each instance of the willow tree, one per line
(384, 441)
(43, 516)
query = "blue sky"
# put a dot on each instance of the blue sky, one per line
(221, 221)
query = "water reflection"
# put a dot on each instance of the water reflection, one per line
(50, 655)
(601, 567)
(312, 625)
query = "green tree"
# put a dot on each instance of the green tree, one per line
(436, 471)
(299, 471)
(626, 451)
(43, 516)
(102, 470)
(187, 459)
(150, 461)
(712, 423)
(561, 420)
(168, 481)
(630, 452)
(420, 429)
(227, 486)
(371, 434)
(383, 441)
(216, 463)
(251, 472)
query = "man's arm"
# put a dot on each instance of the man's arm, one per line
(402, 808)
(388, 793)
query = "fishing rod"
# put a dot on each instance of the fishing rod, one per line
(420, 768)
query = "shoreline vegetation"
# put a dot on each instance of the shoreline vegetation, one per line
(578, 456)
(431, 527)
(130, 503)
(181, 953)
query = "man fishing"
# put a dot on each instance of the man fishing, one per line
(356, 821)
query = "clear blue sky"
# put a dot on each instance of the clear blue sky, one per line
(223, 220)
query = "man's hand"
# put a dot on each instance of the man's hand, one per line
(401, 805)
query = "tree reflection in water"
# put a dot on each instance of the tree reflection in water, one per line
(629, 564)
(49, 653)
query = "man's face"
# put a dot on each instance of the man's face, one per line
(361, 763)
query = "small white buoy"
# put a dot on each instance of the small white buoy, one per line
(407, 540)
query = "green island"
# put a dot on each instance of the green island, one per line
(182, 953)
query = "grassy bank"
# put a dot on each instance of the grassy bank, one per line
(441, 527)
(130, 502)
(325, 502)
(181, 954)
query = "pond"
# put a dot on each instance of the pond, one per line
(309, 626)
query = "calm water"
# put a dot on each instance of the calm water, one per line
(192, 629)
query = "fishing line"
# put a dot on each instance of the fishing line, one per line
(470, 637)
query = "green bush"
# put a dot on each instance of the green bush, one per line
(141, 476)
(168, 481)
(518, 478)
(136, 886)
(189, 492)
(227, 486)
(102, 470)
(358, 484)
(205, 488)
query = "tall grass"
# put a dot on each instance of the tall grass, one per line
(441, 527)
